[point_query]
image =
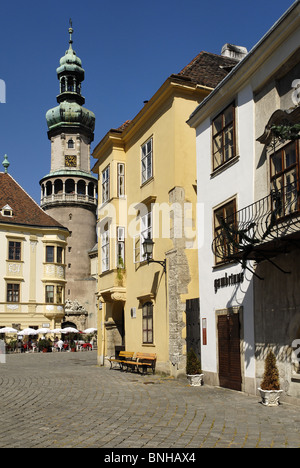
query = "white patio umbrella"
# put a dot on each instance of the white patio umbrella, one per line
(90, 330)
(43, 331)
(55, 330)
(69, 330)
(7, 330)
(28, 331)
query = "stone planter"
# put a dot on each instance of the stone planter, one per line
(270, 397)
(195, 380)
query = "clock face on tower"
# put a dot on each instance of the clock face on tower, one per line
(70, 161)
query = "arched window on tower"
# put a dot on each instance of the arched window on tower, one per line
(91, 190)
(70, 186)
(81, 187)
(48, 188)
(58, 187)
(70, 84)
(70, 143)
(62, 85)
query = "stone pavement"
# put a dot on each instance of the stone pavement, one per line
(64, 400)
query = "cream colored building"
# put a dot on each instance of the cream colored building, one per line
(147, 189)
(32, 261)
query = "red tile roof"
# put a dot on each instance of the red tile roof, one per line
(208, 69)
(25, 210)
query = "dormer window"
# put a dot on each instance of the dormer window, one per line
(7, 211)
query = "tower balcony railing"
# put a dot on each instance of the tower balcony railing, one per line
(68, 198)
(262, 230)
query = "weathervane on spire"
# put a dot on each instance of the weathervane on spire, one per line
(5, 164)
(70, 32)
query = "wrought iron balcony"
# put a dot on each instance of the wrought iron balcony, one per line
(262, 230)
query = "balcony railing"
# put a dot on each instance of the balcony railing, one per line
(69, 198)
(261, 230)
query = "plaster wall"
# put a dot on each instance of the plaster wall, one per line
(236, 181)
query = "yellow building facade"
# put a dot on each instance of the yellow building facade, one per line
(147, 190)
(32, 261)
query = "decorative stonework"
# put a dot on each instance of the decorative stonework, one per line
(74, 308)
(55, 271)
(178, 278)
(14, 269)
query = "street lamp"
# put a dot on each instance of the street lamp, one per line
(148, 252)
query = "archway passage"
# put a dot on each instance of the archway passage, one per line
(68, 324)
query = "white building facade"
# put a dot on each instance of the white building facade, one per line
(231, 177)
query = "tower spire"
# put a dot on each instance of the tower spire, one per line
(71, 30)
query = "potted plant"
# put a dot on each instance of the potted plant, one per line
(73, 346)
(270, 386)
(193, 369)
(44, 346)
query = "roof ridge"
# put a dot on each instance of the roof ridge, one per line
(204, 52)
(29, 196)
(25, 201)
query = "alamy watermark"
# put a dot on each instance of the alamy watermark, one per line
(2, 352)
(163, 220)
(2, 92)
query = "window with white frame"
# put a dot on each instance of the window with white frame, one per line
(120, 247)
(105, 185)
(121, 180)
(14, 250)
(54, 294)
(145, 233)
(105, 250)
(13, 292)
(147, 160)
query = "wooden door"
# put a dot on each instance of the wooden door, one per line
(230, 375)
(193, 326)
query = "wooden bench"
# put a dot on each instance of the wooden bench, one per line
(143, 361)
(124, 357)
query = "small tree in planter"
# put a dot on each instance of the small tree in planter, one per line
(193, 369)
(73, 346)
(270, 386)
(44, 346)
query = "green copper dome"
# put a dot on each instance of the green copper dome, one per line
(70, 114)
(70, 63)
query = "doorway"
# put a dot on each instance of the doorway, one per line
(229, 343)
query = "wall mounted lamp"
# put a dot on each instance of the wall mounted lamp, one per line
(148, 252)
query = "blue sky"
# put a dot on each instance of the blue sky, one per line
(128, 49)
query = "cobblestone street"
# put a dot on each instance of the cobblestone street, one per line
(64, 400)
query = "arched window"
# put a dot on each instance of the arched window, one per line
(70, 143)
(81, 187)
(58, 187)
(48, 188)
(148, 323)
(91, 189)
(70, 84)
(62, 85)
(70, 186)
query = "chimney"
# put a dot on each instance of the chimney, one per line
(234, 51)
